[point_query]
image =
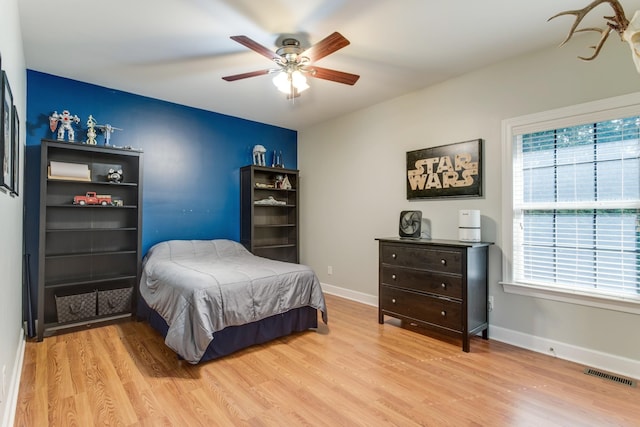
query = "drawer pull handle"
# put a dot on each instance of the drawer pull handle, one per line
(393, 276)
(393, 300)
(443, 313)
(394, 256)
(444, 286)
(443, 261)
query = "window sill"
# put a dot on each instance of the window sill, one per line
(625, 305)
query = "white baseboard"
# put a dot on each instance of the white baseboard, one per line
(14, 385)
(584, 356)
(351, 295)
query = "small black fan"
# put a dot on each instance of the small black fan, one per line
(410, 223)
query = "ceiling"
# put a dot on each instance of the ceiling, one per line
(179, 50)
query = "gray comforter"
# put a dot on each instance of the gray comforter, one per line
(202, 286)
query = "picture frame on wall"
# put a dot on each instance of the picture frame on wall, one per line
(6, 134)
(15, 149)
(453, 170)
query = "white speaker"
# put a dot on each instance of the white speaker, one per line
(469, 225)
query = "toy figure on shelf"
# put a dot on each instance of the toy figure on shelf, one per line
(258, 155)
(286, 184)
(114, 175)
(91, 131)
(107, 130)
(277, 160)
(65, 119)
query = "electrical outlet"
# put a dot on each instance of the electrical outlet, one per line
(491, 303)
(329, 270)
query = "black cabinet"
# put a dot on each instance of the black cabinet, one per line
(269, 212)
(88, 254)
(436, 284)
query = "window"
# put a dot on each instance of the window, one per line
(574, 202)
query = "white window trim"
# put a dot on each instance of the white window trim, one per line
(606, 109)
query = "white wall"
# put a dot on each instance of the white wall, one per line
(353, 188)
(11, 335)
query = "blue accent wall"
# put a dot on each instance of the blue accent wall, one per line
(192, 157)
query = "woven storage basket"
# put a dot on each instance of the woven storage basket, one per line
(76, 307)
(114, 301)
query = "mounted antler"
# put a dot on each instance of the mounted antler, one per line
(618, 23)
(629, 31)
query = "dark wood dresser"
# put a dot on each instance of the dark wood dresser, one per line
(437, 284)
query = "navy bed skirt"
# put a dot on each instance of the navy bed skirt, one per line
(234, 338)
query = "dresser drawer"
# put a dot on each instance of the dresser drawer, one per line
(423, 281)
(440, 259)
(424, 308)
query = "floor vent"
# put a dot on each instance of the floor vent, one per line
(610, 377)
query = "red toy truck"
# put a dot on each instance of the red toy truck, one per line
(91, 198)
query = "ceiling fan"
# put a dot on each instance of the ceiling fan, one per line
(295, 63)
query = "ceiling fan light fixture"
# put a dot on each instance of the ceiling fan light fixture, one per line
(286, 82)
(299, 81)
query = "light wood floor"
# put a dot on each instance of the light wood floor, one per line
(354, 372)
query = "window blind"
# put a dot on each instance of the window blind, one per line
(576, 207)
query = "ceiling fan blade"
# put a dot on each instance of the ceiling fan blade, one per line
(256, 47)
(333, 75)
(326, 46)
(247, 75)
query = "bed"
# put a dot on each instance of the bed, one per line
(210, 298)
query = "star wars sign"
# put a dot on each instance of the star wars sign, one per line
(453, 170)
